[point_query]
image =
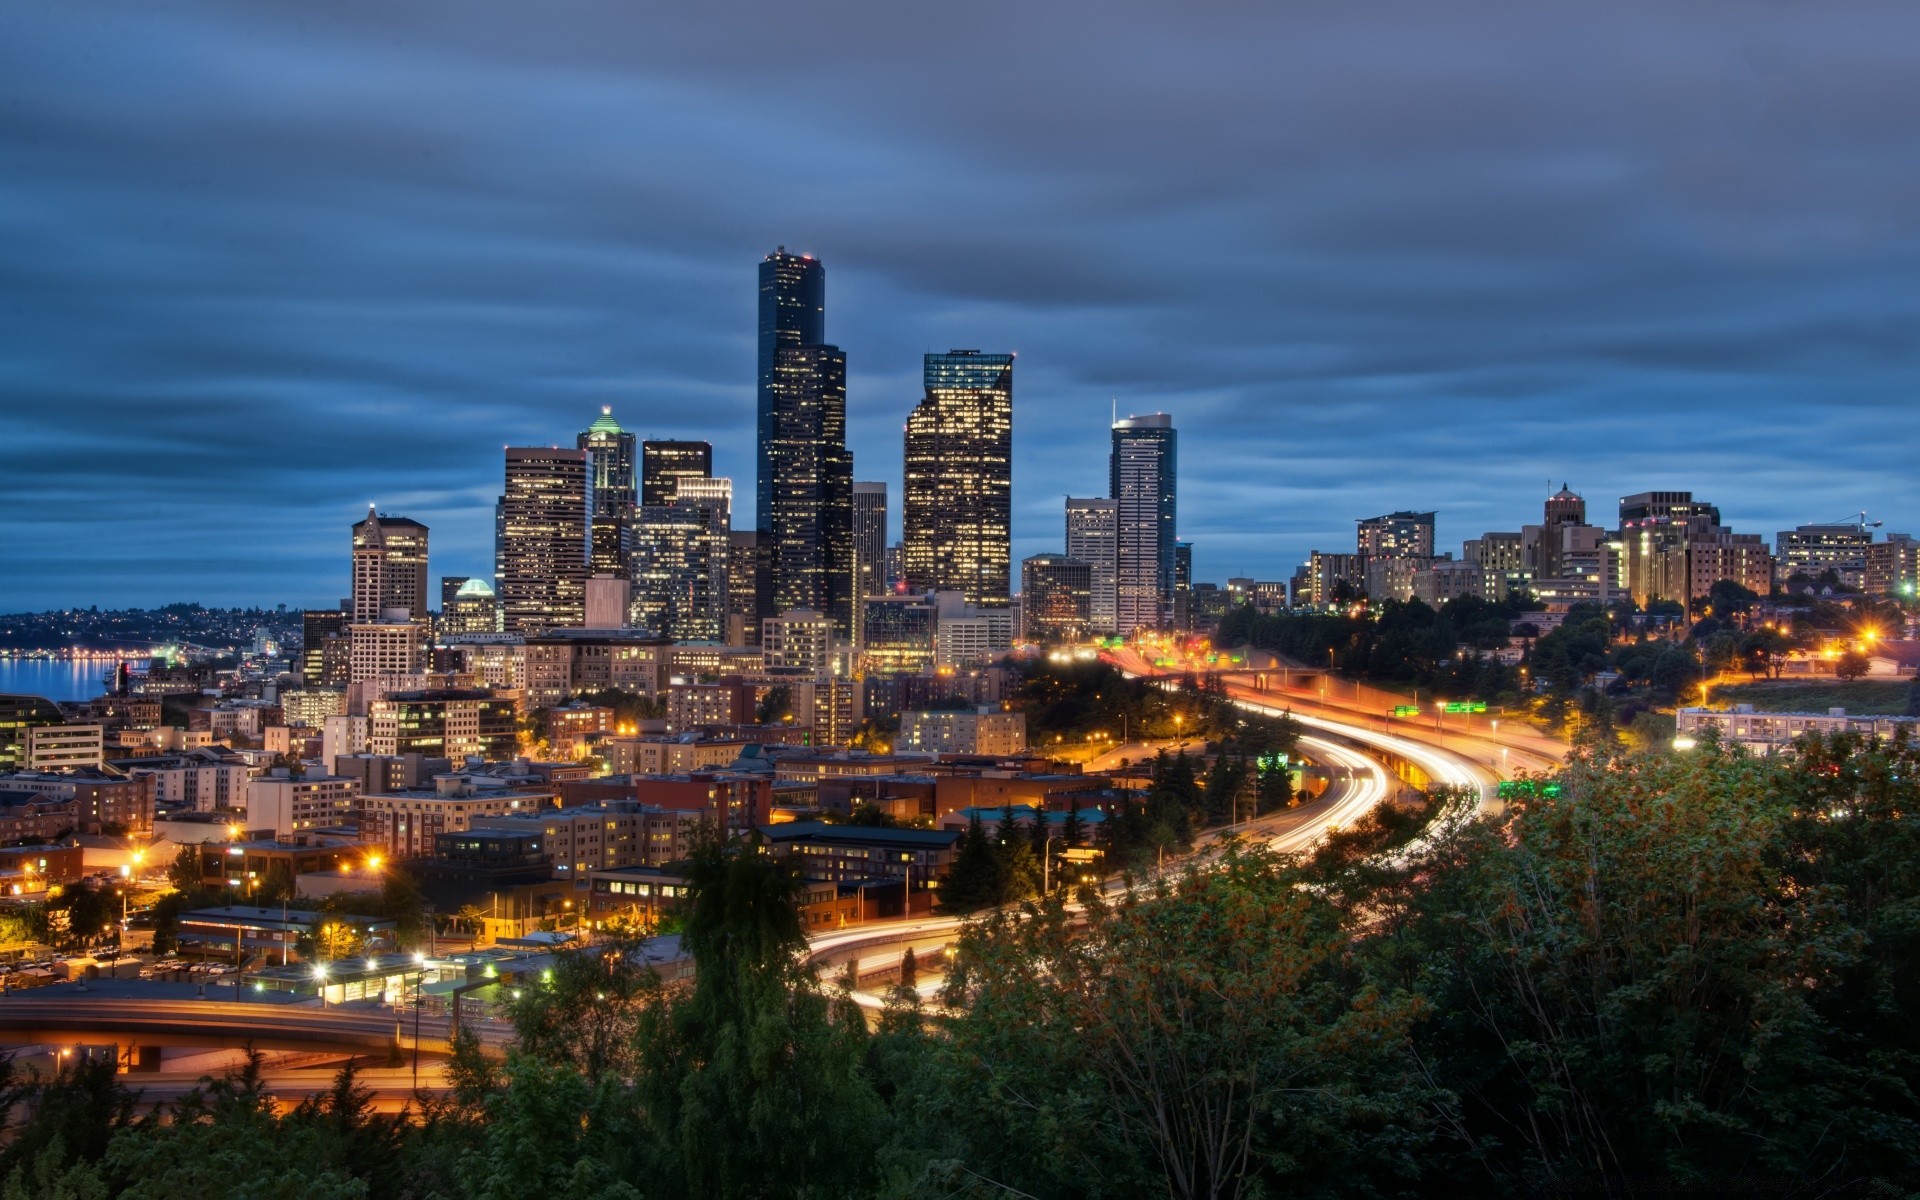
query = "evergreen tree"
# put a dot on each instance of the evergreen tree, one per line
(1072, 830)
(973, 879)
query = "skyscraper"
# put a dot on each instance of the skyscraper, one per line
(810, 560)
(544, 533)
(609, 451)
(1183, 587)
(1142, 474)
(663, 463)
(793, 312)
(389, 567)
(803, 502)
(869, 546)
(682, 567)
(958, 497)
(1093, 537)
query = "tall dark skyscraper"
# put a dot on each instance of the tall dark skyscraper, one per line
(793, 312)
(957, 509)
(1142, 474)
(803, 501)
(869, 545)
(810, 561)
(662, 463)
(610, 470)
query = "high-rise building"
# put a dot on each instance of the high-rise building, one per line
(1397, 535)
(1893, 566)
(870, 539)
(450, 586)
(1565, 507)
(664, 463)
(376, 648)
(544, 539)
(1334, 579)
(683, 565)
(389, 567)
(869, 548)
(323, 648)
(1093, 537)
(900, 634)
(810, 558)
(958, 496)
(1142, 474)
(609, 451)
(1673, 548)
(1183, 587)
(473, 609)
(1056, 598)
(745, 568)
(798, 640)
(793, 313)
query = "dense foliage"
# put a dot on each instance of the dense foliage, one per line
(1401, 642)
(1676, 974)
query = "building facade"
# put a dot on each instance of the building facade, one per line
(609, 451)
(1056, 598)
(543, 540)
(1093, 537)
(1142, 476)
(956, 524)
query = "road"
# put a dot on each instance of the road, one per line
(1358, 783)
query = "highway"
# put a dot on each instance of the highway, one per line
(1361, 783)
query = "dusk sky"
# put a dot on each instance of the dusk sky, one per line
(262, 263)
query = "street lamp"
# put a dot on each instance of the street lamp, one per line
(320, 981)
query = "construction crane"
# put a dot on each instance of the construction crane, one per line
(1859, 519)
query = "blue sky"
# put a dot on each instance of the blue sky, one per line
(263, 263)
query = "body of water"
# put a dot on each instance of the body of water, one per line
(56, 679)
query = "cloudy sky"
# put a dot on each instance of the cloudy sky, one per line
(263, 263)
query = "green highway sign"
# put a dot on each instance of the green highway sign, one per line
(1406, 710)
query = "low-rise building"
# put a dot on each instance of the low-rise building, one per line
(204, 779)
(1770, 732)
(104, 801)
(65, 747)
(32, 816)
(668, 755)
(915, 858)
(976, 731)
(404, 822)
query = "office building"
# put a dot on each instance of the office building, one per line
(900, 634)
(379, 648)
(1673, 548)
(1183, 588)
(1893, 566)
(1142, 476)
(793, 313)
(681, 588)
(389, 568)
(1565, 507)
(745, 569)
(958, 493)
(1813, 550)
(1093, 537)
(663, 464)
(810, 557)
(323, 648)
(798, 640)
(869, 547)
(1056, 598)
(446, 723)
(983, 731)
(609, 451)
(542, 553)
(473, 609)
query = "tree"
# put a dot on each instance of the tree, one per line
(1852, 664)
(776, 706)
(973, 880)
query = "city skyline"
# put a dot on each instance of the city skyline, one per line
(1628, 303)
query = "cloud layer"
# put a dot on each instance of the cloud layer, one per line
(260, 264)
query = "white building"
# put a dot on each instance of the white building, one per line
(1770, 732)
(798, 639)
(978, 731)
(288, 806)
